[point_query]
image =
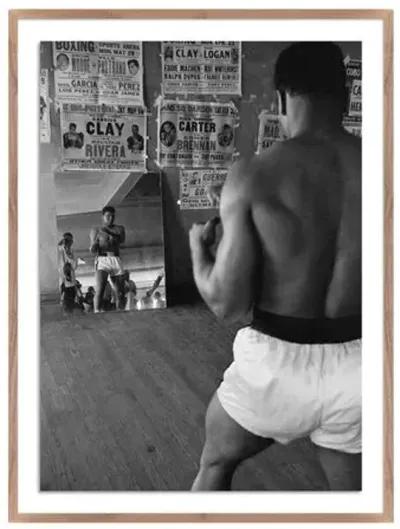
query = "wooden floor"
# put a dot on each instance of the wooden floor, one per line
(123, 398)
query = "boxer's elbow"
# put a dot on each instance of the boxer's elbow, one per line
(229, 310)
(224, 313)
(215, 299)
(222, 299)
(229, 314)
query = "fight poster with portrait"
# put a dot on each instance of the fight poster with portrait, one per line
(201, 68)
(44, 108)
(201, 188)
(196, 134)
(269, 130)
(98, 72)
(353, 84)
(101, 137)
(353, 125)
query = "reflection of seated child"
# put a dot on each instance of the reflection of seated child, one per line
(158, 301)
(88, 300)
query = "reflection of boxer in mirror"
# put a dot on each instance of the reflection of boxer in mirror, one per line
(225, 137)
(105, 243)
(168, 133)
(62, 62)
(135, 142)
(72, 138)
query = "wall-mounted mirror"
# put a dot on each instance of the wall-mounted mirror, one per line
(110, 241)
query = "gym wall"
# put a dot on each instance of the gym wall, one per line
(257, 94)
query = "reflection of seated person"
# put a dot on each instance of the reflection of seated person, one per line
(88, 300)
(72, 138)
(68, 289)
(135, 142)
(158, 301)
(130, 293)
(146, 301)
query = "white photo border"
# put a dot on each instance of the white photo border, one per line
(371, 499)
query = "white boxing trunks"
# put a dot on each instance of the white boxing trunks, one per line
(110, 264)
(284, 390)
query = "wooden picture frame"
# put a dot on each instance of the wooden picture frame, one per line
(386, 16)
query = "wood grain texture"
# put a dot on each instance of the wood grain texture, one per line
(13, 270)
(388, 268)
(387, 514)
(202, 14)
(123, 402)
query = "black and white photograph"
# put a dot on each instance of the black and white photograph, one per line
(220, 182)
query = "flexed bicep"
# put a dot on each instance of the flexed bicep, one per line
(238, 252)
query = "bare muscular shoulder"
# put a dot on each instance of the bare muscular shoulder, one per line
(304, 196)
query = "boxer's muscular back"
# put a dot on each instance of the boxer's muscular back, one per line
(306, 207)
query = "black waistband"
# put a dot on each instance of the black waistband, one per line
(105, 254)
(307, 330)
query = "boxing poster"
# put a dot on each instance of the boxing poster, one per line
(201, 188)
(353, 125)
(269, 130)
(353, 84)
(196, 134)
(355, 104)
(201, 68)
(101, 137)
(98, 72)
(44, 107)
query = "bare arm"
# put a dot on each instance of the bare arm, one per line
(94, 244)
(61, 257)
(226, 283)
(155, 285)
(122, 235)
(117, 234)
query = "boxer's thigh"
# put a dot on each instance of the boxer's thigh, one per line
(343, 471)
(226, 440)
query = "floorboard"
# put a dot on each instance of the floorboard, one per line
(123, 398)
